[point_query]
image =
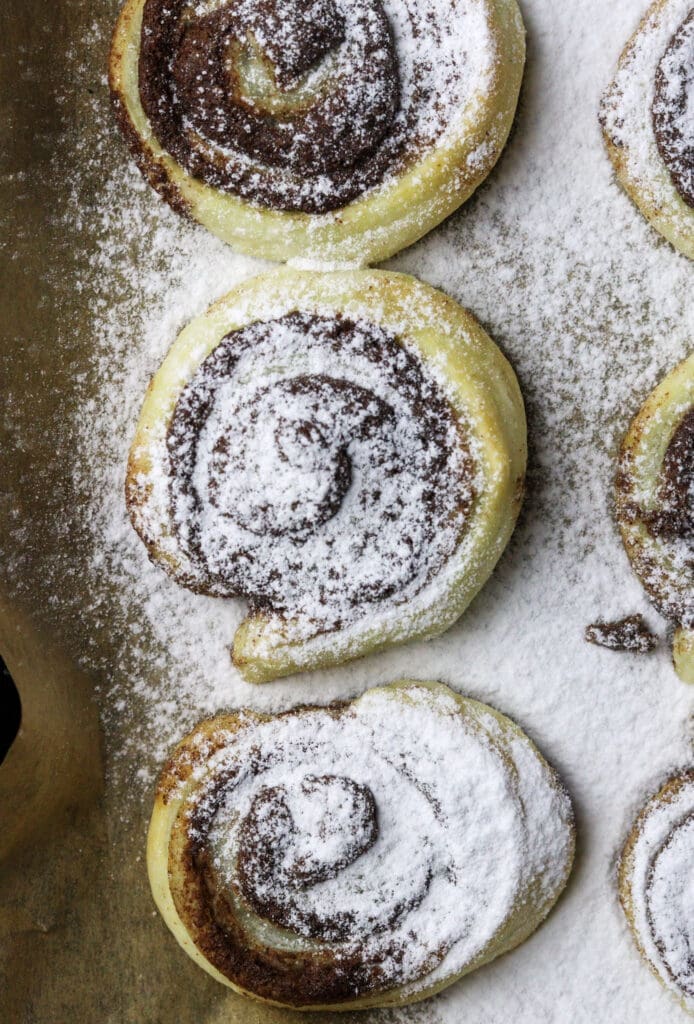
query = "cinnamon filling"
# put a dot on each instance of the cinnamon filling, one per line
(292, 104)
(292, 838)
(277, 858)
(327, 853)
(675, 517)
(673, 109)
(666, 568)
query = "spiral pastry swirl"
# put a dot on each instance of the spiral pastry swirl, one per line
(265, 480)
(314, 117)
(318, 462)
(655, 505)
(647, 120)
(656, 877)
(262, 119)
(360, 854)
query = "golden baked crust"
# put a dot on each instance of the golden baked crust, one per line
(653, 829)
(628, 132)
(651, 502)
(481, 393)
(375, 225)
(226, 936)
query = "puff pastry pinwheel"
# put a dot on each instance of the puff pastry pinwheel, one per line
(345, 450)
(322, 130)
(656, 879)
(360, 854)
(655, 505)
(647, 120)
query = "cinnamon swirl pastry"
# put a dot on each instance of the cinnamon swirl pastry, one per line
(344, 450)
(655, 505)
(359, 854)
(328, 130)
(656, 881)
(647, 116)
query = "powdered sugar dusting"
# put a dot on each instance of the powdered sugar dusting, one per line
(463, 836)
(312, 465)
(628, 108)
(358, 90)
(662, 887)
(592, 308)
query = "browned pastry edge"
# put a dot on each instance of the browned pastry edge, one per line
(647, 567)
(665, 795)
(151, 168)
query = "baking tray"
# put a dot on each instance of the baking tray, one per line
(591, 308)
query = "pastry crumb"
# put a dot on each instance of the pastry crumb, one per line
(628, 634)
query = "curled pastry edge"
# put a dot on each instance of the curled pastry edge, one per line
(640, 462)
(656, 198)
(627, 881)
(683, 654)
(373, 227)
(182, 773)
(482, 388)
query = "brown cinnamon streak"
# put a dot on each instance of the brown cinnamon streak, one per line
(210, 911)
(675, 518)
(668, 110)
(282, 143)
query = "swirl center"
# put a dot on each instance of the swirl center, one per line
(293, 838)
(282, 465)
(294, 34)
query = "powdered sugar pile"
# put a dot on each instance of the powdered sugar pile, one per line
(592, 308)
